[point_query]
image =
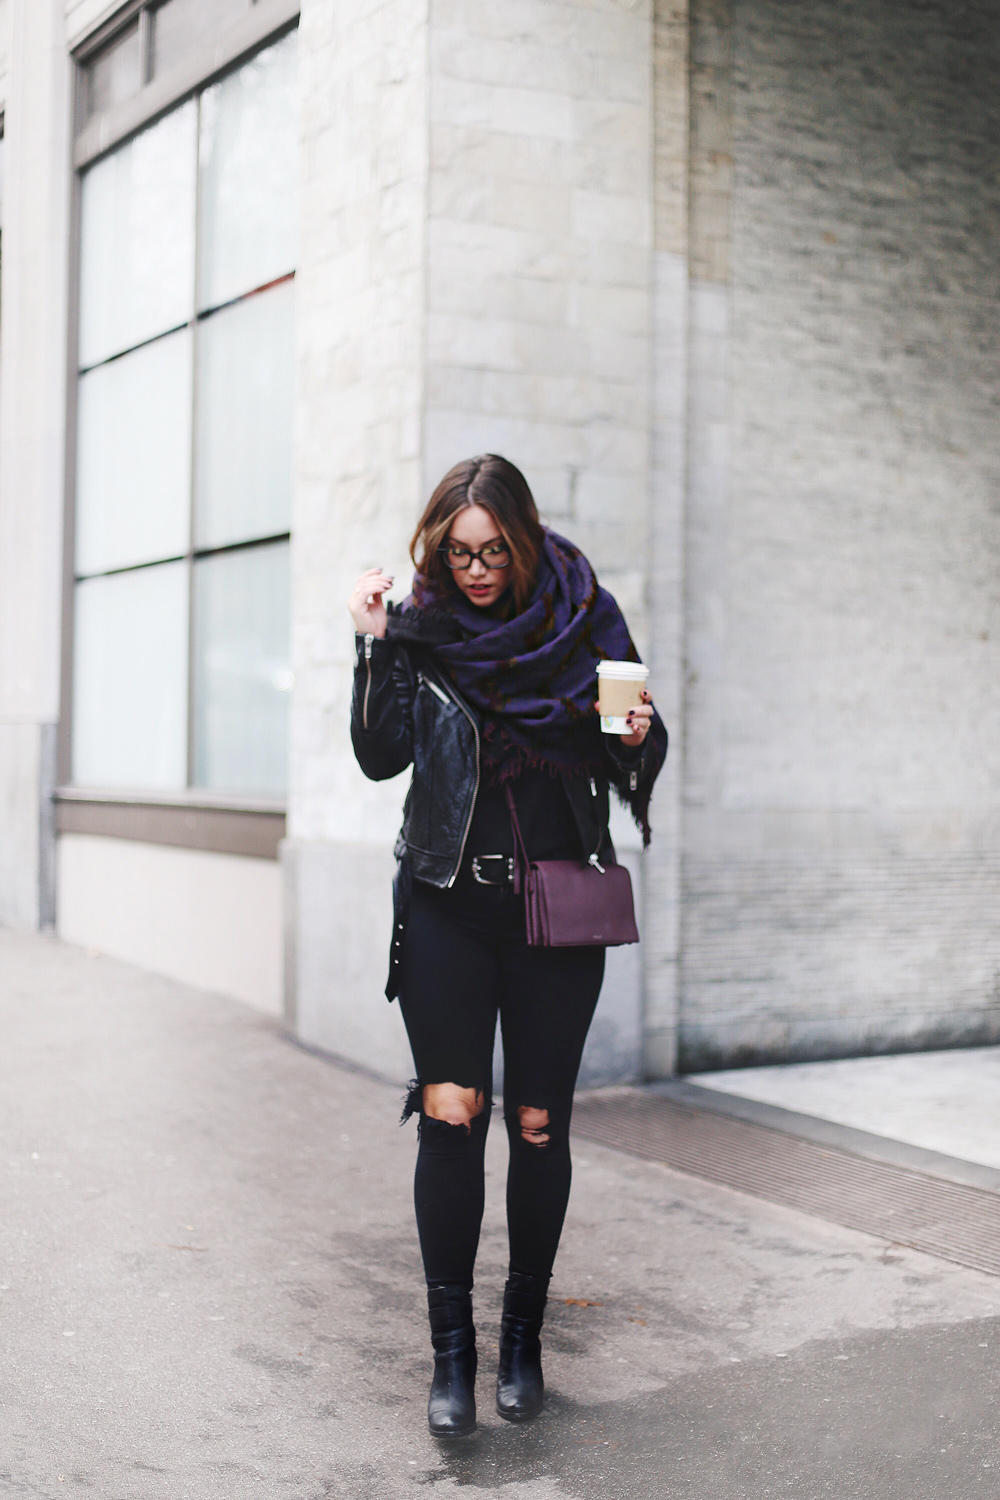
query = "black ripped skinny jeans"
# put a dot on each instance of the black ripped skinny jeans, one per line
(464, 960)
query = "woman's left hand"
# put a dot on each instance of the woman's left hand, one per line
(640, 719)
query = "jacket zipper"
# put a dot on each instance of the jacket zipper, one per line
(368, 684)
(595, 858)
(475, 795)
(447, 698)
(434, 688)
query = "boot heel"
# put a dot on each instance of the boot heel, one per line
(451, 1407)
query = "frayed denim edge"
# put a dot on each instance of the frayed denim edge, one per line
(413, 1103)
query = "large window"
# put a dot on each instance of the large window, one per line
(184, 427)
(159, 35)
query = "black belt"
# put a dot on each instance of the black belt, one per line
(498, 864)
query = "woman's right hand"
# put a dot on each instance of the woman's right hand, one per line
(365, 604)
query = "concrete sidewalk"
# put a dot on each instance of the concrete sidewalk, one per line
(940, 1101)
(210, 1288)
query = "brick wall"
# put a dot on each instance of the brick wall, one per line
(842, 871)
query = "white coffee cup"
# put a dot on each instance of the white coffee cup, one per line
(619, 689)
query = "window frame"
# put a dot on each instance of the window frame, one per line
(190, 817)
(231, 45)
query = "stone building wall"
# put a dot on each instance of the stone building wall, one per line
(476, 275)
(32, 447)
(665, 561)
(722, 277)
(360, 319)
(539, 304)
(842, 791)
(538, 263)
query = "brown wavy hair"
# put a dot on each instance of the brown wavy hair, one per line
(499, 487)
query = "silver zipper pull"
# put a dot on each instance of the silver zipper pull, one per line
(593, 787)
(633, 780)
(368, 647)
(596, 863)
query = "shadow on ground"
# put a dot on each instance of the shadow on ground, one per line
(887, 1415)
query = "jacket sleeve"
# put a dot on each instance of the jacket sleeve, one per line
(382, 709)
(631, 767)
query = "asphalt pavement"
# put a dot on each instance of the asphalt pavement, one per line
(210, 1288)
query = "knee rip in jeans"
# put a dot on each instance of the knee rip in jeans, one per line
(534, 1125)
(452, 1104)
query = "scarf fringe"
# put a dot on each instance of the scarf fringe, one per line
(521, 759)
(637, 805)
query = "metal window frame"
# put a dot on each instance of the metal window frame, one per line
(233, 44)
(192, 818)
(106, 31)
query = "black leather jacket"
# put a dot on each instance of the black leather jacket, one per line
(405, 711)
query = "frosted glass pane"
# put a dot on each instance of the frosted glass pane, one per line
(130, 679)
(246, 378)
(184, 26)
(242, 675)
(134, 457)
(137, 238)
(249, 169)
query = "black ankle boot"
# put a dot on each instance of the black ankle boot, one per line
(451, 1410)
(520, 1387)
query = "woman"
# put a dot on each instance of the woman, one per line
(486, 677)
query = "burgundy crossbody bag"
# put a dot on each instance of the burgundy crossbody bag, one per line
(569, 904)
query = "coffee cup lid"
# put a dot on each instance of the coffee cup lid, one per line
(625, 671)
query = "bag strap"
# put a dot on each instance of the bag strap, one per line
(518, 839)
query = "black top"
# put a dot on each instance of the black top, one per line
(445, 773)
(547, 824)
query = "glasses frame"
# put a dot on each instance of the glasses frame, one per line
(473, 557)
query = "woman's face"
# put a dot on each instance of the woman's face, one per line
(475, 529)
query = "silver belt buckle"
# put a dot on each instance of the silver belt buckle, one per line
(477, 868)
